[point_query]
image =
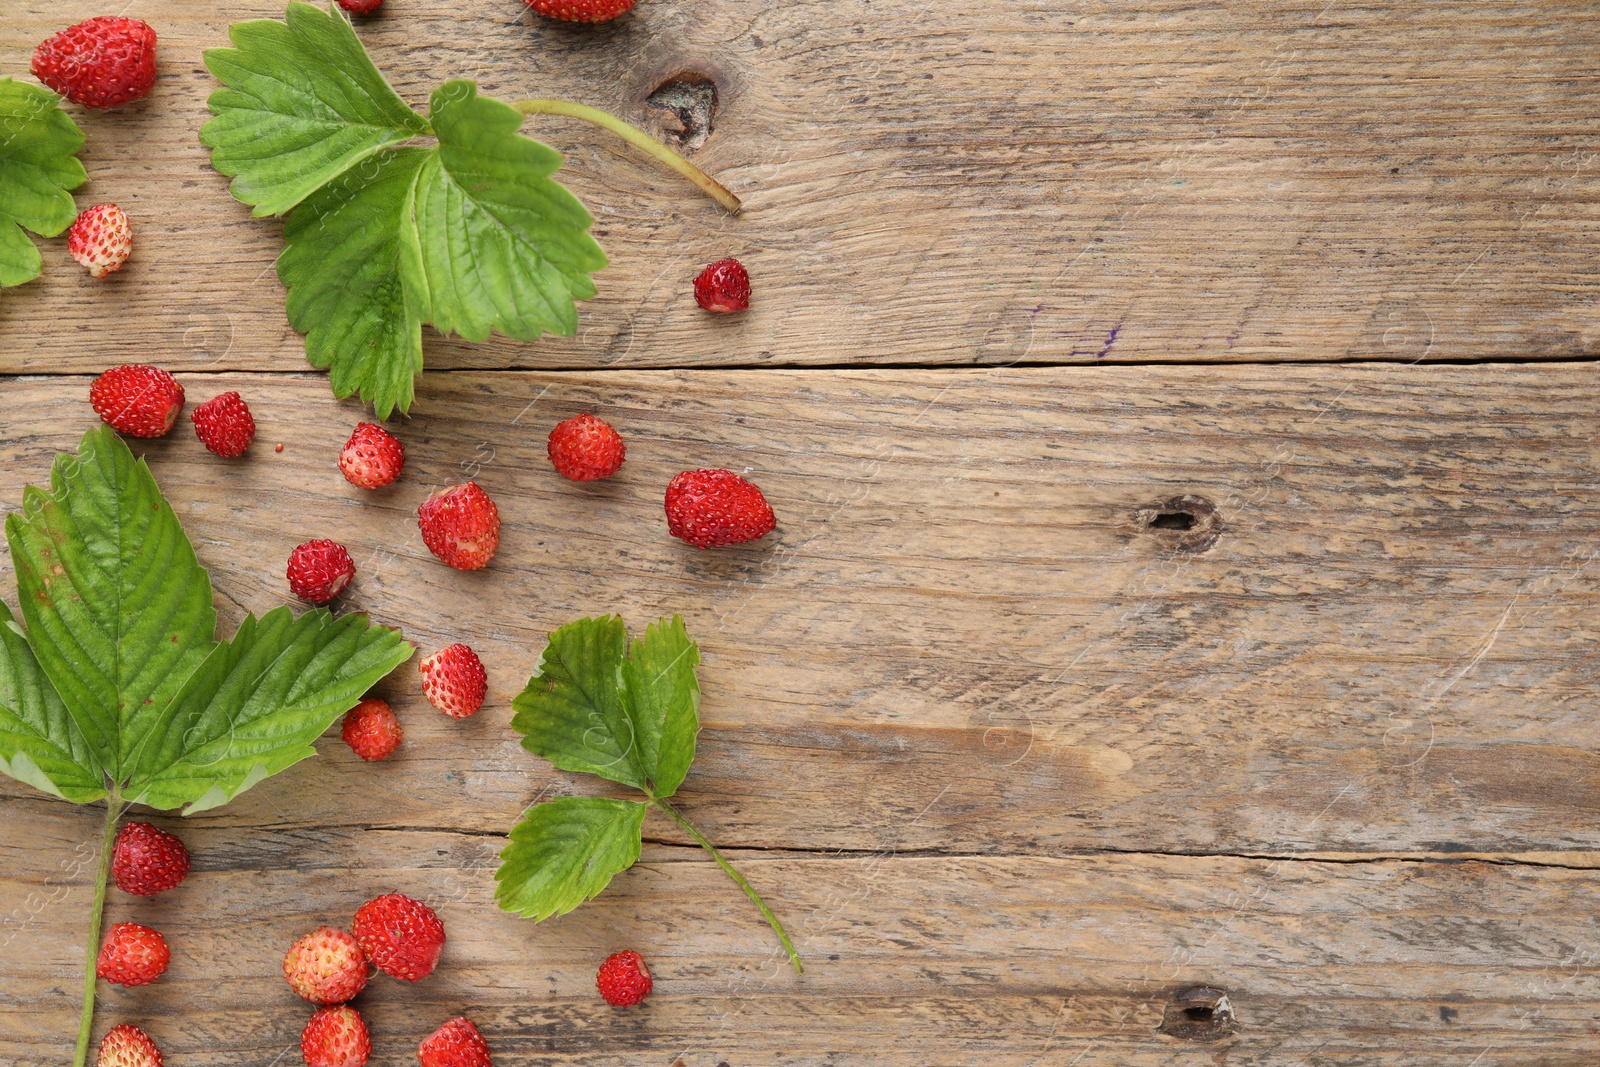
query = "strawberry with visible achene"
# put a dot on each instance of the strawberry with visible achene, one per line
(101, 238)
(361, 7)
(723, 287)
(624, 980)
(372, 730)
(454, 681)
(137, 399)
(586, 449)
(132, 955)
(373, 457)
(125, 1045)
(581, 10)
(455, 1044)
(402, 937)
(320, 570)
(336, 1037)
(326, 966)
(710, 508)
(146, 860)
(101, 63)
(224, 425)
(461, 526)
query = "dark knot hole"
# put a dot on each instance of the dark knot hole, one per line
(1173, 520)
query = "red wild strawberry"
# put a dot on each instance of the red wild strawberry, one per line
(335, 1037)
(586, 449)
(723, 286)
(361, 7)
(326, 966)
(319, 570)
(454, 681)
(101, 238)
(708, 508)
(147, 860)
(623, 980)
(581, 10)
(224, 425)
(372, 729)
(455, 1044)
(373, 457)
(132, 955)
(461, 526)
(104, 62)
(127, 1046)
(402, 937)
(139, 400)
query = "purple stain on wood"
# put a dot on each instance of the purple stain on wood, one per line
(1111, 339)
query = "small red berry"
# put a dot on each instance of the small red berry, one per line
(586, 449)
(104, 62)
(336, 1037)
(132, 955)
(372, 729)
(319, 570)
(581, 10)
(373, 457)
(147, 860)
(101, 238)
(454, 681)
(455, 1044)
(361, 7)
(126, 1045)
(326, 966)
(461, 526)
(709, 508)
(623, 980)
(139, 400)
(224, 425)
(723, 286)
(402, 937)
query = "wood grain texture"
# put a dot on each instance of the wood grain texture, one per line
(942, 182)
(1014, 764)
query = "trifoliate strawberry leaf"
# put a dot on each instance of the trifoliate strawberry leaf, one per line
(565, 852)
(38, 164)
(629, 713)
(303, 104)
(472, 235)
(120, 682)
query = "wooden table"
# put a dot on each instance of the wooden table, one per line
(1182, 424)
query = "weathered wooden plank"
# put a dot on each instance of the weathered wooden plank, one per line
(963, 635)
(943, 182)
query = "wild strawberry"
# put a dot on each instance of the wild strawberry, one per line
(326, 966)
(455, 1044)
(372, 729)
(623, 980)
(373, 457)
(335, 1037)
(126, 1045)
(461, 526)
(723, 286)
(132, 955)
(101, 238)
(454, 681)
(708, 508)
(319, 570)
(139, 400)
(224, 425)
(586, 449)
(581, 10)
(361, 7)
(104, 62)
(402, 937)
(147, 860)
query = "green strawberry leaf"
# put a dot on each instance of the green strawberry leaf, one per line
(565, 852)
(662, 695)
(39, 144)
(303, 104)
(572, 712)
(118, 686)
(472, 235)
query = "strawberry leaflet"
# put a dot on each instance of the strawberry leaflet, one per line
(117, 688)
(628, 712)
(38, 164)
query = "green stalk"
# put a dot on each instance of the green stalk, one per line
(639, 139)
(749, 890)
(114, 809)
